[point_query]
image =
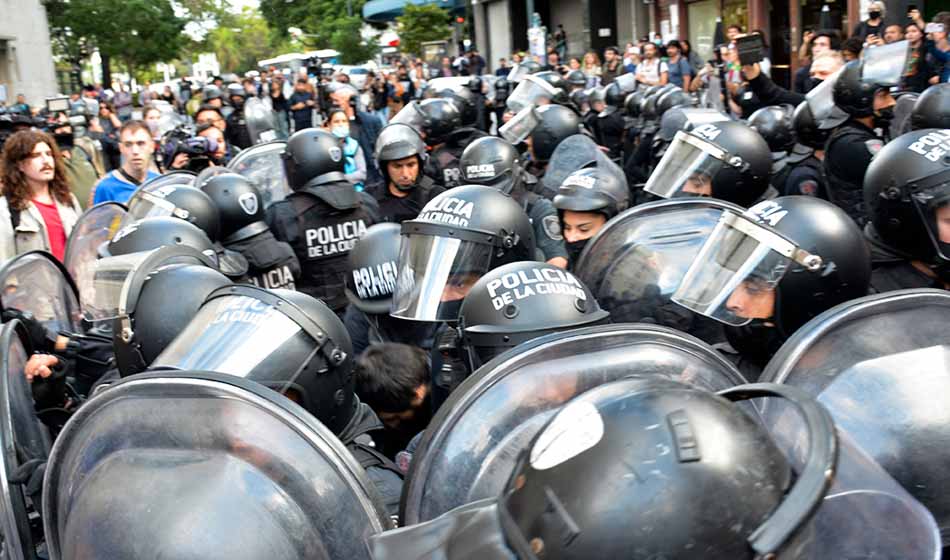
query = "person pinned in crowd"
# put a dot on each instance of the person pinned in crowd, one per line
(137, 146)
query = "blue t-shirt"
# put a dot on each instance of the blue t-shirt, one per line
(111, 187)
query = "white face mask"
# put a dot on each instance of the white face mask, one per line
(341, 131)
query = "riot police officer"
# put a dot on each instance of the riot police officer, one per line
(585, 201)
(767, 272)
(906, 189)
(735, 166)
(436, 120)
(608, 127)
(519, 302)
(324, 215)
(932, 108)
(805, 177)
(556, 123)
(271, 263)
(868, 102)
(236, 132)
(401, 157)
(494, 162)
(774, 124)
(370, 284)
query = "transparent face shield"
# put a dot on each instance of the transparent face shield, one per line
(736, 273)
(531, 91)
(520, 126)
(627, 82)
(884, 65)
(411, 115)
(518, 73)
(263, 166)
(688, 167)
(34, 283)
(95, 227)
(144, 204)
(931, 198)
(435, 273)
(822, 103)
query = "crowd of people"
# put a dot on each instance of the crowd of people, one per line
(494, 299)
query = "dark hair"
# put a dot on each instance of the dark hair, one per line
(735, 26)
(207, 107)
(854, 45)
(615, 50)
(16, 189)
(387, 376)
(676, 44)
(132, 126)
(685, 46)
(833, 37)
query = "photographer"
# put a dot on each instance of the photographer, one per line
(196, 152)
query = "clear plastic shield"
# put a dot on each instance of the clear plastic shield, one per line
(531, 92)
(95, 227)
(687, 168)
(821, 101)
(931, 198)
(23, 438)
(183, 465)
(469, 450)
(38, 283)
(518, 73)
(520, 126)
(881, 366)
(177, 177)
(169, 120)
(410, 115)
(263, 165)
(209, 173)
(261, 121)
(573, 153)
(638, 260)
(885, 64)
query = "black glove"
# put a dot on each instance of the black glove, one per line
(41, 338)
(30, 475)
(50, 392)
(453, 370)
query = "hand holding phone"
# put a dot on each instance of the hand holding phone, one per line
(934, 28)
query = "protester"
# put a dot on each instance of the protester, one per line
(137, 147)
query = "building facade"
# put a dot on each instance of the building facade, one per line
(26, 58)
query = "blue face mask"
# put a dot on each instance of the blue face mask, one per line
(341, 131)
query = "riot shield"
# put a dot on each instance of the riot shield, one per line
(209, 173)
(38, 283)
(177, 177)
(637, 260)
(902, 112)
(23, 438)
(263, 165)
(573, 153)
(881, 366)
(261, 121)
(202, 465)
(96, 226)
(470, 447)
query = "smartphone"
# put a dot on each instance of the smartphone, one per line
(750, 49)
(933, 28)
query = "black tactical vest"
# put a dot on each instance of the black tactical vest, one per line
(271, 264)
(847, 195)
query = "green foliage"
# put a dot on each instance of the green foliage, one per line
(319, 19)
(239, 41)
(419, 24)
(347, 39)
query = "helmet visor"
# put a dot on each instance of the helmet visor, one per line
(263, 166)
(884, 65)
(736, 273)
(821, 101)
(435, 274)
(530, 92)
(931, 197)
(410, 115)
(687, 168)
(218, 337)
(520, 126)
(518, 73)
(144, 204)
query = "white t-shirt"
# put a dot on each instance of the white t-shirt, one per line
(649, 71)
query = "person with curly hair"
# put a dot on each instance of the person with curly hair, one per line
(37, 209)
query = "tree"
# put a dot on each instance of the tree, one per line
(240, 40)
(348, 39)
(419, 24)
(318, 19)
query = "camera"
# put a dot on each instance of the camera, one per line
(183, 140)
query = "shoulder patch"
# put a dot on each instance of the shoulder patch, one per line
(874, 145)
(552, 227)
(808, 188)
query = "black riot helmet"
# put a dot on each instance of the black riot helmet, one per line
(801, 253)
(672, 98)
(313, 157)
(725, 160)
(399, 141)
(593, 189)
(519, 302)
(555, 124)
(178, 201)
(459, 236)
(152, 233)
(464, 100)
(523, 69)
(932, 109)
(596, 95)
(502, 89)
(557, 81)
(493, 162)
(240, 205)
(211, 92)
(613, 99)
(631, 105)
(576, 79)
(650, 100)
(581, 99)
(440, 117)
(774, 123)
(854, 93)
(730, 489)
(907, 192)
(236, 94)
(371, 281)
(307, 354)
(806, 128)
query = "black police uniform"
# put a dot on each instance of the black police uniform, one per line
(358, 438)
(804, 178)
(365, 330)
(847, 155)
(610, 133)
(395, 209)
(322, 231)
(236, 132)
(891, 270)
(271, 263)
(443, 163)
(545, 221)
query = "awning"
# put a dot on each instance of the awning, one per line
(388, 10)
